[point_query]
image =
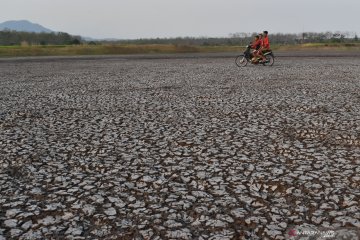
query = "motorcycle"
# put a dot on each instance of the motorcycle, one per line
(243, 59)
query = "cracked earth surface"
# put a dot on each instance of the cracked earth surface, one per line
(178, 148)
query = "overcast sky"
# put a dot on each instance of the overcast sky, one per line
(171, 18)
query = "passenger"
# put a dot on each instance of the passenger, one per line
(260, 51)
(256, 45)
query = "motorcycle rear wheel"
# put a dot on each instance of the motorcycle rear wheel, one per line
(269, 60)
(241, 61)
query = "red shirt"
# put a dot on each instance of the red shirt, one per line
(266, 43)
(256, 44)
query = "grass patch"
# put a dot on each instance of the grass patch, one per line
(116, 49)
(74, 50)
(321, 46)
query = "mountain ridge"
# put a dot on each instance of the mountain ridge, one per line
(24, 26)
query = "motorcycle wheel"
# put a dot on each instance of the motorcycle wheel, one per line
(269, 60)
(241, 61)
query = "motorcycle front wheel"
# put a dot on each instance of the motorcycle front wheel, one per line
(241, 61)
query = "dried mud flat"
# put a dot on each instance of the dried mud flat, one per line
(178, 148)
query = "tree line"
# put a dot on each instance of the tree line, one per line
(9, 38)
(235, 39)
(245, 38)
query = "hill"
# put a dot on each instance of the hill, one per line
(24, 26)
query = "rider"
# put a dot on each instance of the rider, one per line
(256, 45)
(266, 44)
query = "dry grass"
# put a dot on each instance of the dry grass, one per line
(107, 49)
(321, 46)
(94, 50)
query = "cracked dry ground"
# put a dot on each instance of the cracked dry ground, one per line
(178, 148)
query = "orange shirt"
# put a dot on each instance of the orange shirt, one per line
(266, 43)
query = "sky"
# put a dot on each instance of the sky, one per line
(131, 19)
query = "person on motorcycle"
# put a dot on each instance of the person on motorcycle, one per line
(266, 43)
(260, 51)
(265, 46)
(256, 45)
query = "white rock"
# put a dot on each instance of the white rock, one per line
(345, 219)
(326, 206)
(97, 199)
(289, 190)
(226, 218)
(15, 232)
(88, 187)
(273, 231)
(36, 191)
(200, 194)
(88, 209)
(27, 225)
(52, 207)
(183, 234)
(216, 223)
(74, 231)
(147, 234)
(201, 175)
(10, 223)
(110, 211)
(317, 220)
(67, 216)
(278, 171)
(49, 220)
(148, 179)
(113, 199)
(239, 212)
(196, 223)
(251, 167)
(283, 225)
(60, 179)
(172, 224)
(12, 212)
(257, 204)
